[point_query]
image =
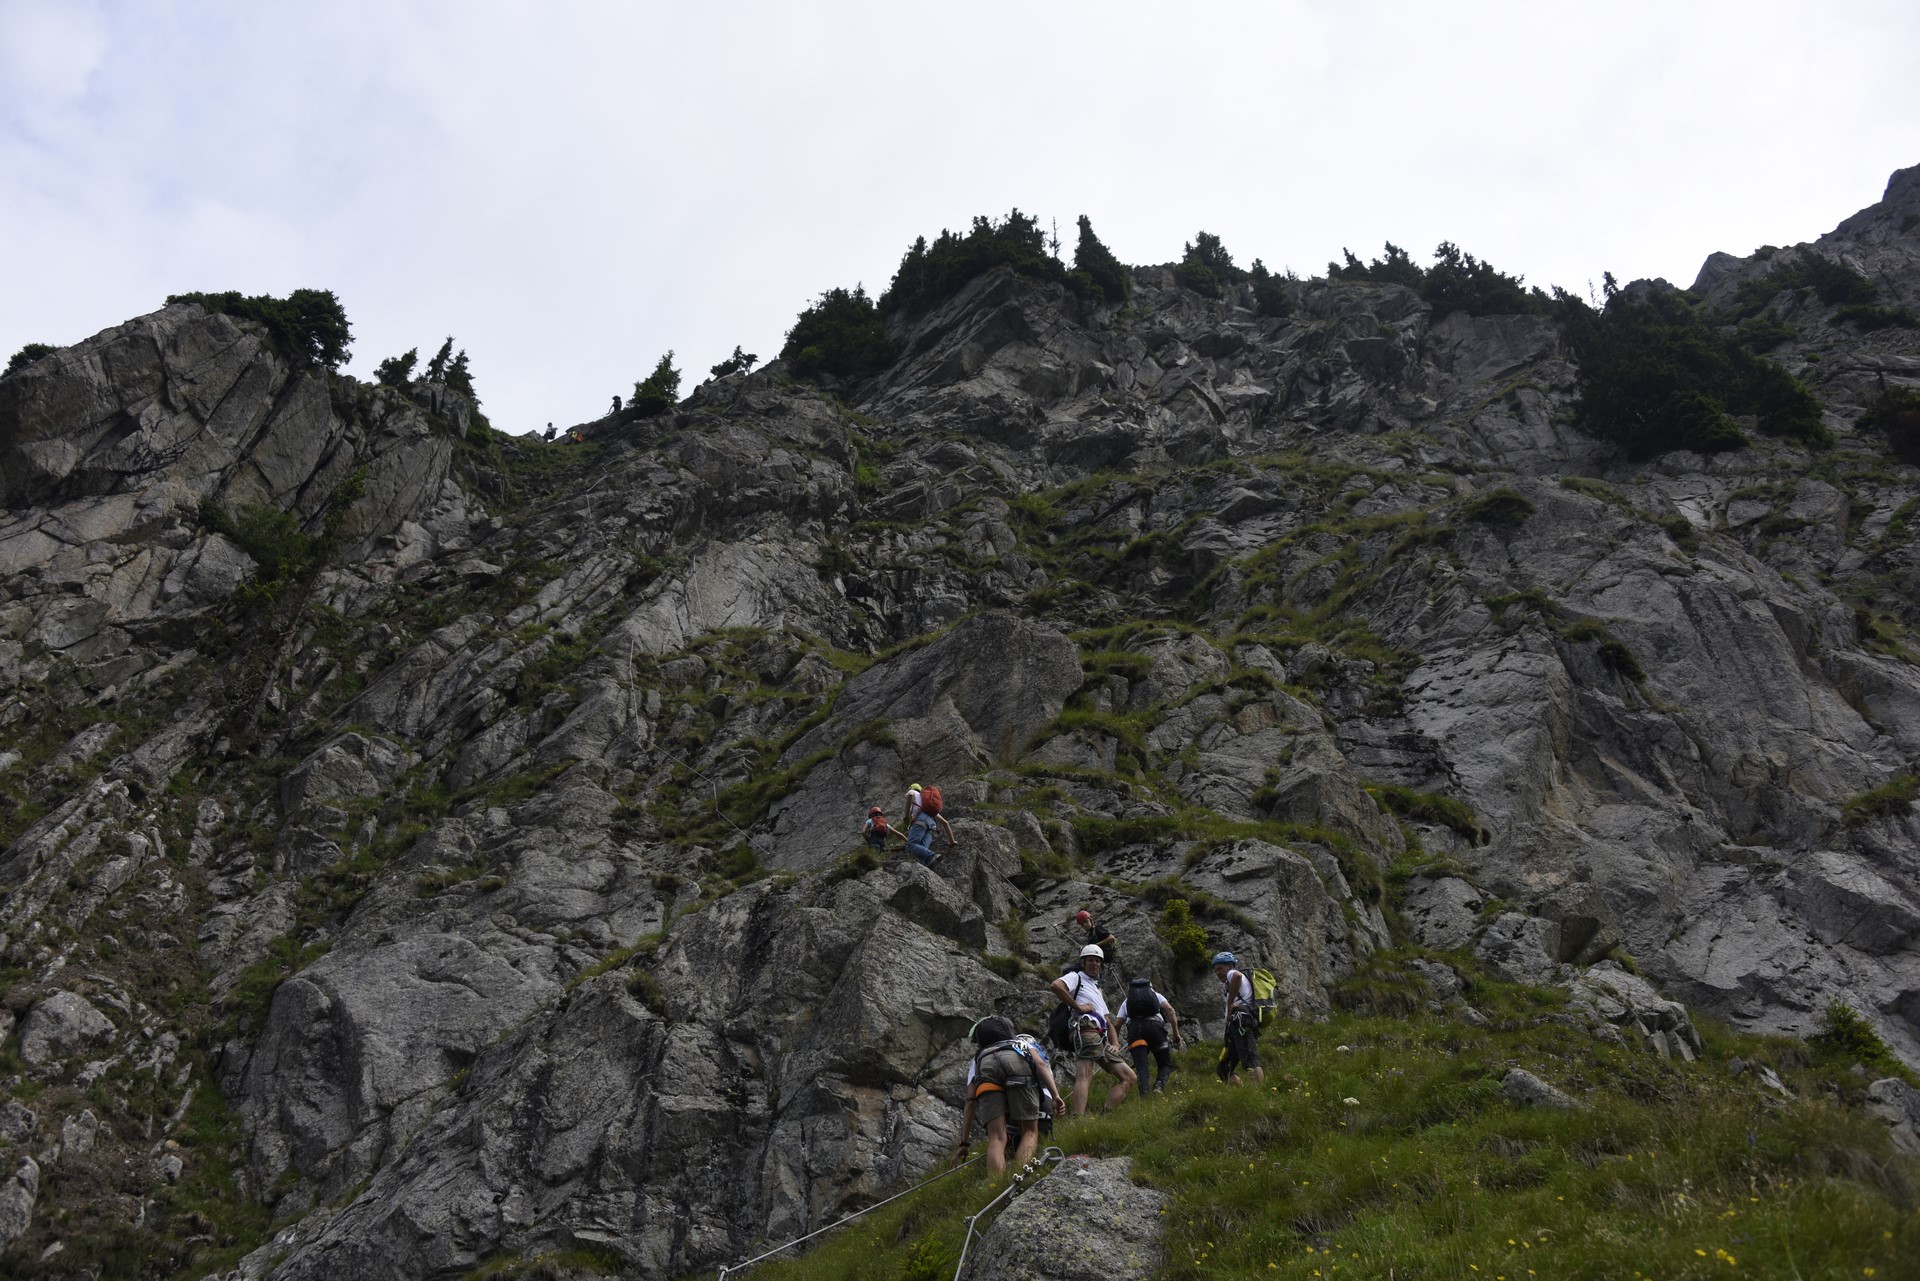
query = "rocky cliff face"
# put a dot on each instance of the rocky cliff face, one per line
(513, 835)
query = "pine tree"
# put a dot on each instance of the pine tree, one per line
(1108, 273)
(659, 391)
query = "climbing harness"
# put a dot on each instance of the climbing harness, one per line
(1050, 1157)
(734, 1268)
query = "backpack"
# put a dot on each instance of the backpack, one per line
(929, 800)
(1142, 1003)
(1060, 1024)
(1264, 1001)
(877, 830)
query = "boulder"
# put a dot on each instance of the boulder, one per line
(1443, 911)
(1115, 1233)
(1520, 948)
(1528, 1090)
(1898, 1104)
(61, 1024)
(17, 1196)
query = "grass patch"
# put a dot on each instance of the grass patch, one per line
(1382, 1146)
(1892, 799)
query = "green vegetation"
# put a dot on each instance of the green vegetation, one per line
(843, 335)
(1269, 298)
(929, 274)
(1868, 318)
(658, 392)
(1383, 1146)
(308, 325)
(1895, 413)
(27, 355)
(739, 363)
(1456, 282)
(1427, 807)
(1106, 274)
(1656, 375)
(1835, 283)
(397, 371)
(1185, 938)
(1206, 267)
(1892, 799)
(1504, 508)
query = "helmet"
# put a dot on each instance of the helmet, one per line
(1225, 958)
(1083, 917)
(1140, 981)
(875, 810)
(992, 1030)
(913, 787)
(1092, 952)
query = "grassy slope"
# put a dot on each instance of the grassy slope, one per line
(1381, 1146)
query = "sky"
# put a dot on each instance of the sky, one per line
(572, 189)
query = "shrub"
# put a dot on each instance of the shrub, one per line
(844, 334)
(1508, 508)
(271, 537)
(931, 273)
(1895, 413)
(27, 355)
(1106, 273)
(308, 325)
(1206, 267)
(1184, 937)
(658, 391)
(1845, 1037)
(1269, 299)
(1891, 799)
(1456, 282)
(738, 363)
(397, 371)
(1869, 318)
(1655, 375)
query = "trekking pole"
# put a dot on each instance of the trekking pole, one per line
(732, 1268)
(1052, 1156)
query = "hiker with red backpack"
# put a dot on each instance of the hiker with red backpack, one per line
(875, 830)
(926, 823)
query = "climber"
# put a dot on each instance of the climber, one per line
(1090, 1031)
(926, 822)
(1148, 1016)
(1097, 934)
(1004, 1082)
(1242, 1022)
(875, 830)
(549, 435)
(913, 805)
(616, 407)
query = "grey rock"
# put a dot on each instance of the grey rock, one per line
(1443, 911)
(78, 1134)
(1444, 980)
(17, 1122)
(171, 1167)
(1528, 1090)
(1520, 949)
(61, 1024)
(1898, 1104)
(17, 1196)
(1116, 1236)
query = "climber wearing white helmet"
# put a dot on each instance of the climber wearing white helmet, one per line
(1096, 1043)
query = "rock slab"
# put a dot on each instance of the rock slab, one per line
(1086, 1221)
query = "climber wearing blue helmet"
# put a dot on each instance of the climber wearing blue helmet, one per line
(1242, 1021)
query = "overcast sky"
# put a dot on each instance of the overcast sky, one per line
(573, 188)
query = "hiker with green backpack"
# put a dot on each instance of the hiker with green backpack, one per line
(1242, 1021)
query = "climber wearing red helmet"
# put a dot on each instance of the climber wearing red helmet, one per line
(875, 830)
(1096, 934)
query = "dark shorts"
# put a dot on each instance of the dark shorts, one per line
(1094, 1049)
(1242, 1044)
(1006, 1087)
(1147, 1034)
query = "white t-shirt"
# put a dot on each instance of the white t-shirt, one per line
(913, 805)
(1238, 994)
(1087, 990)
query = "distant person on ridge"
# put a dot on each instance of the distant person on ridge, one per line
(1096, 1044)
(616, 405)
(549, 435)
(1148, 1016)
(1004, 1083)
(1242, 1021)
